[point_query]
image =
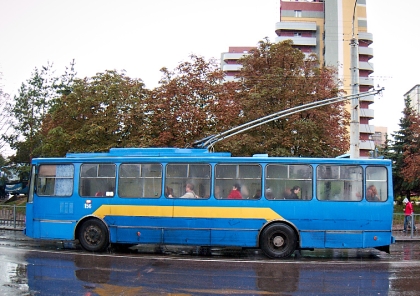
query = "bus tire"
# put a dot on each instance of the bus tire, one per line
(278, 241)
(93, 236)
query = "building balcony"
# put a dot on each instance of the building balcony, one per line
(367, 129)
(231, 78)
(370, 99)
(308, 41)
(366, 81)
(231, 67)
(226, 56)
(365, 37)
(307, 54)
(366, 66)
(369, 113)
(367, 51)
(295, 26)
(366, 145)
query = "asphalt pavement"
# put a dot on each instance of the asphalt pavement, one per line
(399, 234)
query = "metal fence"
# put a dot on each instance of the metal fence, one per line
(12, 217)
(399, 221)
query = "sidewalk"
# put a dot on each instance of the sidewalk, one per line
(401, 236)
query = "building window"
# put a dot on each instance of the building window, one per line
(298, 13)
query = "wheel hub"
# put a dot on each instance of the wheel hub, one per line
(278, 241)
(92, 235)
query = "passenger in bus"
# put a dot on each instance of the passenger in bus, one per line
(372, 193)
(169, 192)
(244, 192)
(294, 192)
(257, 194)
(109, 192)
(217, 192)
(235, 193)
(286, 193)
(189, 191)
(269, 193)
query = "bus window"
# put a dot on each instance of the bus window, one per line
(376, 184)
(140, 180)
(245, 176)
(97, 180)
(341, 183)
(281, 179)
(197, 176)
(55, 180)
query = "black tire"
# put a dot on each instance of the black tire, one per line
(93, 236)
(278, 241)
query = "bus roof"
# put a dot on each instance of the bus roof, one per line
(150, 152)
(197, 155)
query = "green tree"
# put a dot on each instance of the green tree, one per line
(2, 160)
(191, 103)
(275, 77)
(402, 141)
(30, 107)
(411, 156)
(101, 112)
(4, 118)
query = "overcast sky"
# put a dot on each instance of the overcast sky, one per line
(142, 36)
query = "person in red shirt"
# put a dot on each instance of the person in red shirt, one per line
(235, 193)
(408, 214)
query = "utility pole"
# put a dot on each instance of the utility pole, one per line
(355, 116)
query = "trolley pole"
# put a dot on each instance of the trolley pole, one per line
(355, 116)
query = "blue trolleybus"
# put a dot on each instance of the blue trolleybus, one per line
(13, 181)
(195, 197)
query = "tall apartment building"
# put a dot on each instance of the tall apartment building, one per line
(325, 27)
(414, 95)
(380, 135)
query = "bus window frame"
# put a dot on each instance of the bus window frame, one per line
(55, 178)
(297, 182)
(140, 177)
(105, 192)
(238, 179)
(374, 182)
(358, 191)
(179, 192)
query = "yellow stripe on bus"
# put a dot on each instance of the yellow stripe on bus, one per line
(187, 212)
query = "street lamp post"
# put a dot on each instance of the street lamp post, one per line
(355, 116)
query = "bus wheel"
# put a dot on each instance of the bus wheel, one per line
(278, 241)
(93, 236)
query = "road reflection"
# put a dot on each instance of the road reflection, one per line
(177, 271)
(88, 274)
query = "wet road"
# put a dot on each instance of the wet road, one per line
(31, 267)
